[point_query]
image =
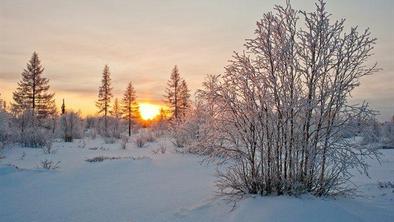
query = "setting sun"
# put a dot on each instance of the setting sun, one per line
(148, 111)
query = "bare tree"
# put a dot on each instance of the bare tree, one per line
(282, 105)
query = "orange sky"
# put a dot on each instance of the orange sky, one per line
(141, 41)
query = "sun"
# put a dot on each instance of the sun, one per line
(149, 111)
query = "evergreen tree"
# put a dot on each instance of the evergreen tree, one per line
(104, 96)
(184, 100)
(33, 91)
(177, 95)
(63, 108)
(116, 112)
(129, 105)
(115, 121)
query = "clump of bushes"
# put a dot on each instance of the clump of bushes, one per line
(144, 137)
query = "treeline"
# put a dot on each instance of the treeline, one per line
(33, 119)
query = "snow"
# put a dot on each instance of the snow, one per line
(144, 186)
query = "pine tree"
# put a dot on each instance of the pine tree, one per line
(177, 95)
(104, 96)
(33, 91)
(129, 105)
(184, 102)
(116, 112)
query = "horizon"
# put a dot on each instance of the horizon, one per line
(74, 41)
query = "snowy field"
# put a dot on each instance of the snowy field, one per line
(144, 184)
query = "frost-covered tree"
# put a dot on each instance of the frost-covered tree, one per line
(198, 133)
(129, 106)
(33, 91)
(5, 128)
(177, 95)
(281, 106)
(388, 134)
(71, 126)
(104, 96)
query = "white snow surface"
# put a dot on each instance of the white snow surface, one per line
(144, 186)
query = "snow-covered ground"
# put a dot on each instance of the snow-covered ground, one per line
(146, 186)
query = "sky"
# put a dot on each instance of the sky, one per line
(141, 41)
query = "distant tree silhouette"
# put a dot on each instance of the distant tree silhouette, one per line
(116, 112)
(177, 95)
(129, 105)
(184, 104)
(33, 91)
(63, 108)
(104, 96)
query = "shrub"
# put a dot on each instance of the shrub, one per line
(34, 137)
(123, 142)
(71, 126)
(150, 137)
(140, 140)
(109, 140)
(49, 164)
(283, 103)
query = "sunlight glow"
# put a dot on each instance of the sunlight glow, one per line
(149, 111)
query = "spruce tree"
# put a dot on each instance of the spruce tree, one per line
(184, 100)
(177, 95)
(104, 96)
(116, 112)
(33, 91)
(129, 105)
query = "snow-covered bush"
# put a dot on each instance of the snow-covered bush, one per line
(140, 140)
(71, 126)
(5, 128)
(186, 134)
(30, 131)
(198, 133)
(369, 129)
(149, 136)
(123, 142)
(34, 136)
(144, 136)
(114, 127)
(109, 140)
(388, 134)
(282, 104)
(91, 122)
